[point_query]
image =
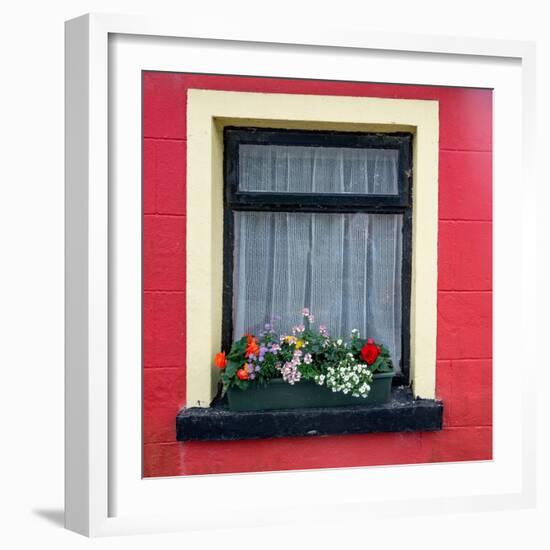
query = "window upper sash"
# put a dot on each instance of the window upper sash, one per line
(317, 201)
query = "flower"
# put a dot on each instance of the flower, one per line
(370, 352)
(290, 373)
(252, 347)
(242, 374)
(308, 359)
(274, 348)
(307, 315)
(220, 360)
(299, 344)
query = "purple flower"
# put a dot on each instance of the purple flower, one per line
(257, 368)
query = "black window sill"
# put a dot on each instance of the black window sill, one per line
(402, 413)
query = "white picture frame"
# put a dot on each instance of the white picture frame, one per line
(105, 493)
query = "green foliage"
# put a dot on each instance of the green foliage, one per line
(307, 353)
(237, 350)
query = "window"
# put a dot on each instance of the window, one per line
(319, 220)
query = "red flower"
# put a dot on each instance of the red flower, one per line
(252, 347)
(370, 352)
(220, 360)
(243, 373)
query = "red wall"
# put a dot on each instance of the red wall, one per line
(464, 341)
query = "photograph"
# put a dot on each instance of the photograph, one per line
(336, 311)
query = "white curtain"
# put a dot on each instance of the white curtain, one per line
(346, 268)
(298, 169)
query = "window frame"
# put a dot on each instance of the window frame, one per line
(400, 203)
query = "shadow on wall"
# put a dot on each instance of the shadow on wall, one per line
(57, 517)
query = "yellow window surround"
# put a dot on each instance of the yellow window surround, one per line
(208, 112)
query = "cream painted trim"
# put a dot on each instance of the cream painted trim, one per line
(208, 111)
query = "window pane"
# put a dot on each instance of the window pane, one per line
(300, 169)
(346, 268)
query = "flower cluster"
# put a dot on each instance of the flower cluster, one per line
(348, 376)
(290, 371)
(305, 353)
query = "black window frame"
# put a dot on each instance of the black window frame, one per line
(260, 201)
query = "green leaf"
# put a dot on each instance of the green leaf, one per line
(375, 367)
(231, 368)
(237, 350)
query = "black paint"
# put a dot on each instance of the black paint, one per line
(235, 200)
(402, 414)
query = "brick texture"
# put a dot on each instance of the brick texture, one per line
(164, 330)
(164, 252)
(464, 325)
(464, 255)
(465, 185)
(164, 165)
(163, 397)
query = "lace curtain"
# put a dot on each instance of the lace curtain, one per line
(346, 268)
(299, 169)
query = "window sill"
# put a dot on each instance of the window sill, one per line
(402, 413)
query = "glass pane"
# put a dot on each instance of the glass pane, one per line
(346, 268)
(299, 169)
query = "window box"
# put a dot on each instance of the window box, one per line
(277, 394)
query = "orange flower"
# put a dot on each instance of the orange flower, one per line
(243, 373)
(220, 360)
(252, 347)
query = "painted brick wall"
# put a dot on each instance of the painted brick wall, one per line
(464, 342)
